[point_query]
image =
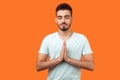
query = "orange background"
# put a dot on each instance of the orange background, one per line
(24, 23)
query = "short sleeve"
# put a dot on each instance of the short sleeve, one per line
(86, 48)
(44, 46)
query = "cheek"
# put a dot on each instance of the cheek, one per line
(68, 21)
(59, 22)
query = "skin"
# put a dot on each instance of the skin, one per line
(64, 16)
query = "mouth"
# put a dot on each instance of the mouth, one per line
(63, 24)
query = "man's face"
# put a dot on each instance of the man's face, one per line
(63, 19)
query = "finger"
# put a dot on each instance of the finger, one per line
(63, 46)
(65, 50)
(64, 54)
(64, 43)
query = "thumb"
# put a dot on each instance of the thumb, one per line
(65, 46)
(64, 43)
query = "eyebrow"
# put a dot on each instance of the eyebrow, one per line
(64, 16)
(59, 16)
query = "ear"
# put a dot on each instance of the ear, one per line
(72, 19)
(56, 20)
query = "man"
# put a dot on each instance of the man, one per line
(65, 49)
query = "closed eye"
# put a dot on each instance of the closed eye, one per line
(59, 17)
(67, 17)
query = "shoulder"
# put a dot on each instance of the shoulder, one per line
(80, 36)
(50, 36)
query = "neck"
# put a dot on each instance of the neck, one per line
(65, 35)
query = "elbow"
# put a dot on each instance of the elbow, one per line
(38, 68)
(91, 68)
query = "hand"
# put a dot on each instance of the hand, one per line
(66, 57)
(60, 58)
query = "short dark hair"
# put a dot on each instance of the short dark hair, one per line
(64, 6)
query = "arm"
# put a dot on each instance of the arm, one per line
(88, 62)
(42, 62)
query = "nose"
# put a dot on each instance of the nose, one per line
(63, 19)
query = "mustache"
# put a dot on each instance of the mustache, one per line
(63, 23)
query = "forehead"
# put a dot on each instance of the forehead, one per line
(63, 12)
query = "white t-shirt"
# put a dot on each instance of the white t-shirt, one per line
(77, 45)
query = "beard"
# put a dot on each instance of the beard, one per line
(64, 27)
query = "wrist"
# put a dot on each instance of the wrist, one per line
(67, 60)
(58, 60)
